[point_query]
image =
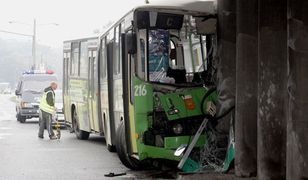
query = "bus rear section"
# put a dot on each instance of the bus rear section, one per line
(80, 87)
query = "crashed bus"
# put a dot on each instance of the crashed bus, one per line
(157, 100)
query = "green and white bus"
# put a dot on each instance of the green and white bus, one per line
(154, 74)
(80, 87)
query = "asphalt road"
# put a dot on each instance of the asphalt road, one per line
(24, 156)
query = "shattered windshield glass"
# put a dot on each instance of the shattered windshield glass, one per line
(175, 56)
(158, 55)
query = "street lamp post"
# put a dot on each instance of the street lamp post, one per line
(33, 38)
(34, 44)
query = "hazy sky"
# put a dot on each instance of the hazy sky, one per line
(76, 18)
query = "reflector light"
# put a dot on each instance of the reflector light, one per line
(189, 102)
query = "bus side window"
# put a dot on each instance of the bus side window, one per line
(83, 60)
(142, 54)
(142, 58)
(103, 59)
(116, 62)
(75, 59)
(66, 71)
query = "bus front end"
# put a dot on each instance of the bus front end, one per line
(172, 82)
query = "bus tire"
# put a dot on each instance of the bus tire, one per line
(121, 147)
(80, 134)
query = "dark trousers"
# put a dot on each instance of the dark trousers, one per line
(45, 120)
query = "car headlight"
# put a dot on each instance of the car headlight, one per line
(177, 129)
(26, 105)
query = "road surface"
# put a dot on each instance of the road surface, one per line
(24, 156)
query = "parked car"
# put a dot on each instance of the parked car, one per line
(29, 91)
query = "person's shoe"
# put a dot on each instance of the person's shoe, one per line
(42, 137)
(53, 137)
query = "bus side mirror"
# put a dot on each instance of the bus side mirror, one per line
(131, 43)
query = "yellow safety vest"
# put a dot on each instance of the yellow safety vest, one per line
(44, 106)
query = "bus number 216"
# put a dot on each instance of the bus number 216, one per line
(140, 90)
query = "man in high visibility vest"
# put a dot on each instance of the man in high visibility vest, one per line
(47, 111)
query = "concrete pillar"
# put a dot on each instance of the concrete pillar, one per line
(272, 94)
(246, 88)
(297, 124)
(226, 60)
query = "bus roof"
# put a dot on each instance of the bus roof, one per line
(81, 39)
(194, 7)
(189, 6)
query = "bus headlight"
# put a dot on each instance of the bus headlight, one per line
(177, 129)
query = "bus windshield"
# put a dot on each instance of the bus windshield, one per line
(174, 56)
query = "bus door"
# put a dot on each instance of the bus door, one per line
(92, 91)
(66, 100)
(110, 54)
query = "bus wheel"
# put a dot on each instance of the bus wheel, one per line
(80, 134)
(121, 147)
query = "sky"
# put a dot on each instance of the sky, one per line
(75, 18)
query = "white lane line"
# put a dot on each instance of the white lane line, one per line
(6, 134)
(2, 135)
(5, 128)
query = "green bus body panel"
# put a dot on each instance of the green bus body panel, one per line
(154, 152)
(144, 105)
(177, 99)
(167, 152)
(175, 142)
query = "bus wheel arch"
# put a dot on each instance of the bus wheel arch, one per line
(128, 161)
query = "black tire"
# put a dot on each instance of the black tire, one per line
(80, 134)
(21, 119)
(121, 147)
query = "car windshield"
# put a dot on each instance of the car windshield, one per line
(35, 86)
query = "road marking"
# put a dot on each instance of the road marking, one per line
(5, 128)
(5, 134)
